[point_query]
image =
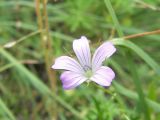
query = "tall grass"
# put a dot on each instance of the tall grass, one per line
(29, 89)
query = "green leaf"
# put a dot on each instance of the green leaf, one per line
(6, 111)
(36, 82)
(151, 62)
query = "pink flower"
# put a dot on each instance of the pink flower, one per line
(85, 69)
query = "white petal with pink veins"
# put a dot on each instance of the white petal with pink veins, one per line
(82, 51)
(103, 52)
(67, 63)
(71, 80)
(103, 76)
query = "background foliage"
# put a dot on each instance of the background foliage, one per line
(26, 90)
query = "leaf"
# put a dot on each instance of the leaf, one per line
(151, 62)
(6, 111)
(36, 82)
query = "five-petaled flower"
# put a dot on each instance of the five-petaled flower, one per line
(85, 69)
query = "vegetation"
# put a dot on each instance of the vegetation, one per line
(34, 33)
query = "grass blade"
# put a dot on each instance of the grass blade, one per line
(115, 20)
(36, 82)
(138, 85)
(151, 62)
(128, 93)
(4, 108)
(132, 95)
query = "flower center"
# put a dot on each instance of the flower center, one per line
(88, 73)
(86, 68)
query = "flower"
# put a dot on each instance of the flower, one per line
(85, 69)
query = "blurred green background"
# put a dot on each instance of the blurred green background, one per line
(34, 33)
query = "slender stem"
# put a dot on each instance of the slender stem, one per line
(6, 110)
(146, 5)
(132, 36)
(142, 98)
(39, 85)
(48, 48)
(46, 42)
(39, 16)
(142, 34)
(114, 96)
(48, 58)
(11, 44)
(39, 21)
(114, 17)
(104, 89)
(29, 35)
(10, 65)
(138, 85)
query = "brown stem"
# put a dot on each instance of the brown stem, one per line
(39, 16)
(45, 40)
(48, 57)
(142, 34)
(48, 48)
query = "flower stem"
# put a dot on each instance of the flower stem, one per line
(104, 89)
(142, 34)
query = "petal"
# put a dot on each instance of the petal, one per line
(67, 63)
(71, 79)
(103, 52)
(82, 51)
(103, 76)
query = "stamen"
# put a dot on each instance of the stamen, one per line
(86, 68)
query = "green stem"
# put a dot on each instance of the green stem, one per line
(133, 70)
(114, 17)
(103, 89)
(6, 110)
(138, 85)
(23, 38)
(117, 98)
(38, 84)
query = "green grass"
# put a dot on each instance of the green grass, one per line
(25, 89)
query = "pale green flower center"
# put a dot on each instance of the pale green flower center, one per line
(88, 73)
